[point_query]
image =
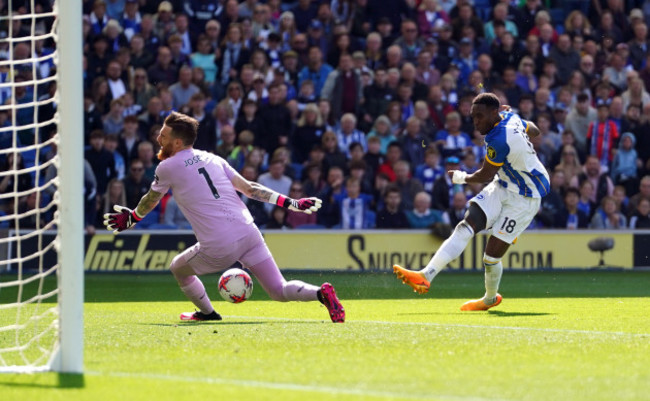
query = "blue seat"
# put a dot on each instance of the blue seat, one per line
(311, 227)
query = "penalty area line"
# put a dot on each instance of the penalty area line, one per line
(469, 326)
(289, 386)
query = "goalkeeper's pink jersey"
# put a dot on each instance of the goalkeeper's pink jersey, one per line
(200, 183)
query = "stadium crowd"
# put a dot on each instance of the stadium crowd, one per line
(364, 103)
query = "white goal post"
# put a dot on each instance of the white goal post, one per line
(56, 331)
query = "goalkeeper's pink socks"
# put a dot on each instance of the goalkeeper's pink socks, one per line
(194, 290)
(270, 278)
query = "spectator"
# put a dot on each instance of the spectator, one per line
(443, 189)
(333, 154)
(207, 124)
(376, 97)
(644, 193)
(373, 157)
(413, 142)
(639, 45)
(173, 216)
(233, 53)
(8, 182)
(422, 216)
(579, 120)
(313, 181)
(585, 203)
(452, 141)
(110, 144)
(570, 217)
(409, 42)
(184, 89)
(392, 216)
(152, 117)
(600, 181)
(500, 13)
(255, 207)
(304, 12)
(141, 89)
(348, 134)
(163, 71)
(393, 155)
(626, 162)
(408, 186)
(278, 220)
(343, 88)
(315, 71)
(329, 215)
(429, 171)
(136, 184)
(275, 122)
(115, 83)
(248, 119)
(308, 132)
(92, 119)
(602, 136)
(636, 94)
(354, 206)
(456, 213)
(101, 161)
(275, 179)
(115, 195)
(28, 220)
(146, 156)
(296, 219)
(608, 217)
(641, 217)
(203, 58)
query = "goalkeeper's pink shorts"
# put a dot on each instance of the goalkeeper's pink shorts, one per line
(249, 251)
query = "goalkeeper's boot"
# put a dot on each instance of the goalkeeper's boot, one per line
(200, 316)
(479, 304)
(416, 280)
(332, 303)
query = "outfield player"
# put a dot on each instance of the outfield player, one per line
(204, 186)
(506, 206)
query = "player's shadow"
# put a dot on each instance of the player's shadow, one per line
(64, 380)
(228, 323)
(501, 313)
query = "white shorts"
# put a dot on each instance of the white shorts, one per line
(508, 213)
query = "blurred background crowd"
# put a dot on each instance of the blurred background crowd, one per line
(362, 103)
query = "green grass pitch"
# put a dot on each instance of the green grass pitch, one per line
(556, 336)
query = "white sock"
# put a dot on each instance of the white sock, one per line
(195, 292)
(493, 272)
(449, 250)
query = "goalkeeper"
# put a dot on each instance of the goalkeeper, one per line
(204, 187)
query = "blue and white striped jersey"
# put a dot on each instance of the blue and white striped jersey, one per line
(508, 147)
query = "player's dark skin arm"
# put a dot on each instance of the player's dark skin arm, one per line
(148, 202)
(532, 130)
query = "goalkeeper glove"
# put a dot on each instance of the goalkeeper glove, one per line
(303, 205)
(124, 219)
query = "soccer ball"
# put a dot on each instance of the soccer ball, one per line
(235, 285)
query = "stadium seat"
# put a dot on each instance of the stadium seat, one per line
(162, 226)
(311, 227)
(151, 218)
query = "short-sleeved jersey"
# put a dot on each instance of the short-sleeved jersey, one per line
(202, 187)
(508, 147)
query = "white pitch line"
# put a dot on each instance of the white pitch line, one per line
(470, 326)
(291, 386)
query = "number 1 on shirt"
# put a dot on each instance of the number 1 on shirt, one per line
(215, 193)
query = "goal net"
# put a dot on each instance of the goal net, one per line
(41, 156)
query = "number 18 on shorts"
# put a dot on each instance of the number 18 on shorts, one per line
(508, 214)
